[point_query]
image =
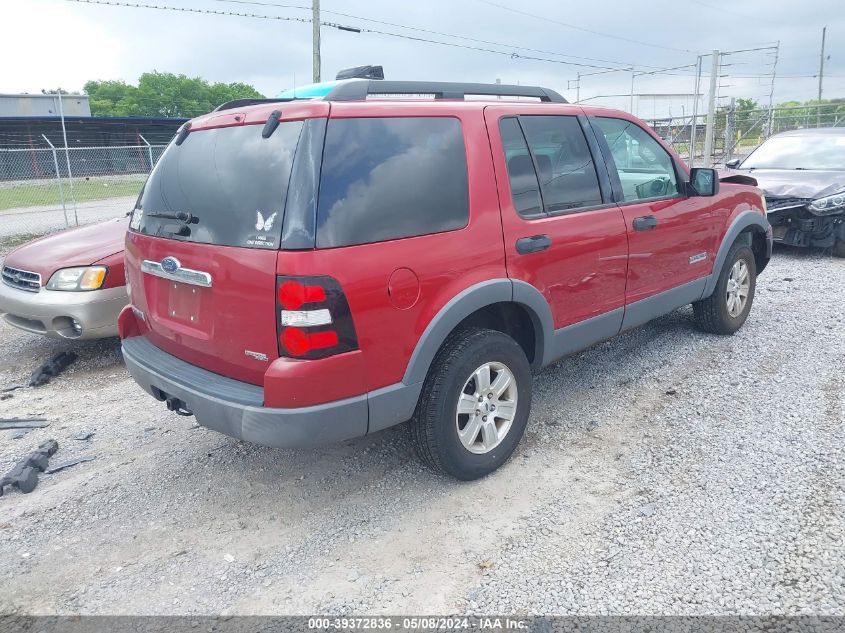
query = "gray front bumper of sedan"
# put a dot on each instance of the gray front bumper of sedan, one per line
(53, 312)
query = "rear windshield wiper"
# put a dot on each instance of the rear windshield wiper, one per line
(184, 217)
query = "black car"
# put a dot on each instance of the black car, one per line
(803, 175)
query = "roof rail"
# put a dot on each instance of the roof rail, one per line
(240, 103)
(359, 89)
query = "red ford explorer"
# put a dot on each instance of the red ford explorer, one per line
(305, 272)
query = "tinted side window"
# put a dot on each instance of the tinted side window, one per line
(525, 190)
(387, 178)
(564, 164)
(645, 169)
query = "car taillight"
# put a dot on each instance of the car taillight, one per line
(312, 318)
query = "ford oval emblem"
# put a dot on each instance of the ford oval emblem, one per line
(170, 264)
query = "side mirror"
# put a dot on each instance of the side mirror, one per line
(703, 181)
(733, 163)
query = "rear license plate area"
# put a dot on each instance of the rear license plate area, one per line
(184, 303)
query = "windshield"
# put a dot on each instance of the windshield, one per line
(799, 152)
(223, 186)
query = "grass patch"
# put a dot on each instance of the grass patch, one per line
(47, 192)
(13, 241)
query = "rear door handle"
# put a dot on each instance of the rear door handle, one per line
(645, 223)
(525, 245)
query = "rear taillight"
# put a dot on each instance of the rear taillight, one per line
(312, 318)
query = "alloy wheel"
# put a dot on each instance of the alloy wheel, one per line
(739, 285)
(486, 407)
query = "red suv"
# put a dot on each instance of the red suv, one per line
(304, 272)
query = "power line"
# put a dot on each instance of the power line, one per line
(585, 30)
(431, 31)
(734, 13)
(161, 7)
(512, 55)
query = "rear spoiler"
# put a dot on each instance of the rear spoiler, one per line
(241, 103)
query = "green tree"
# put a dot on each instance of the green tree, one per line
(54, 91)
(163, 94)
(792, 115)
(745, 117)
(112, 98)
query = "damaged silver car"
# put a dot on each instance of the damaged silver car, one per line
(803, 175)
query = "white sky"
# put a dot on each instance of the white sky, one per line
(51, 43)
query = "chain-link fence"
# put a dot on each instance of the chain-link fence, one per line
(43, 189)
(736, 132)
(46, 188)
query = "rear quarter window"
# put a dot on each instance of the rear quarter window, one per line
(389, 178)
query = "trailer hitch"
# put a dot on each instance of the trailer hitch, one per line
(178, 406)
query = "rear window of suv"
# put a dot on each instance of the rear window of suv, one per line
(231, 181)
(388, 178)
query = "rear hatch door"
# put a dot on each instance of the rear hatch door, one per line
(203, 242)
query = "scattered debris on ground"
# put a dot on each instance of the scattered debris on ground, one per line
(68, 464)
(24, 476)
(52, 368)
(23, 423)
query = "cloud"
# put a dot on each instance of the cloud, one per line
(64, 43)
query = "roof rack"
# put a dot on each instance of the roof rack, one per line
(358, 90)
(240, 103)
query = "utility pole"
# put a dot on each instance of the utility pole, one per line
(771, 123)
(315, 39)
(711, 110)
(694, 126)
(569, 86)
(821, 75)
(631, 107)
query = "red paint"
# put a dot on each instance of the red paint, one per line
(395, 288)
(291, 383)
(100, 243)
(403, 288)
(237, 314)
(445, 263)
(582, 273)
(127, 324)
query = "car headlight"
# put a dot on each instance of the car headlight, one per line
(828, 204)
(81, 278)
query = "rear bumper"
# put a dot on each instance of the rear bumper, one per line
(51, 312)
(235, 408)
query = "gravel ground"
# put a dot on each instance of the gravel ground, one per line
(664, 472)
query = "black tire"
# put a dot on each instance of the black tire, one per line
(839, 248)
(711, 314)
(434, 427)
